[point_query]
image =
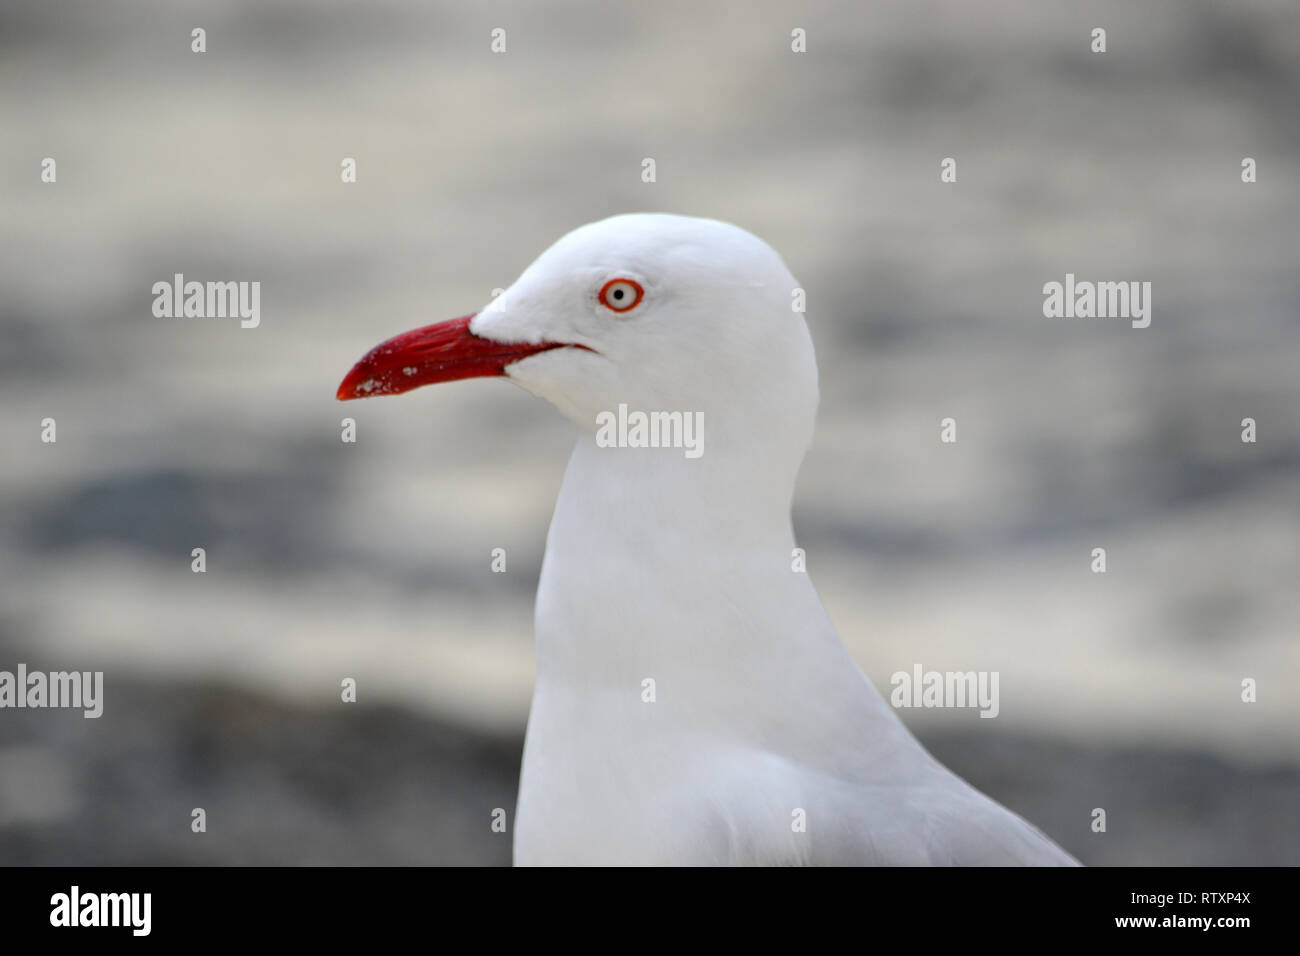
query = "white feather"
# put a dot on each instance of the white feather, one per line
(677, 570)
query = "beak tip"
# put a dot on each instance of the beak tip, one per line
(364, 381)
(442, 352)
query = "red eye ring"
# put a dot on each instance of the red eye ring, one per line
(614, 299)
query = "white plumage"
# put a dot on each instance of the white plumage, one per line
(678, 570)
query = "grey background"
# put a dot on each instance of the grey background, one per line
(328, 560)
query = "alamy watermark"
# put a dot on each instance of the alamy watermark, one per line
(130, 910)
(80, 690)
(1100, 300)
(946, 689)
(625, 429)
(208, 300)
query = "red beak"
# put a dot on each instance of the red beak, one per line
(436, 353)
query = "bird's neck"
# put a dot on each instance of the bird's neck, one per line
(735, 497)
(649, 550)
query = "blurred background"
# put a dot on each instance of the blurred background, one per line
(328, 560)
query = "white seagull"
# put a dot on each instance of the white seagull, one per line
(694, 704)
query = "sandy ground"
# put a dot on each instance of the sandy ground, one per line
(358, 785)
(378, 785)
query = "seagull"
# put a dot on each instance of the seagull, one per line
(694, 705)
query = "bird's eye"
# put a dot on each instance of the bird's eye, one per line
(621, 295)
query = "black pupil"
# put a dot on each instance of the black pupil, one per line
(618, 293)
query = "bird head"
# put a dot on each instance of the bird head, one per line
(656, 312)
